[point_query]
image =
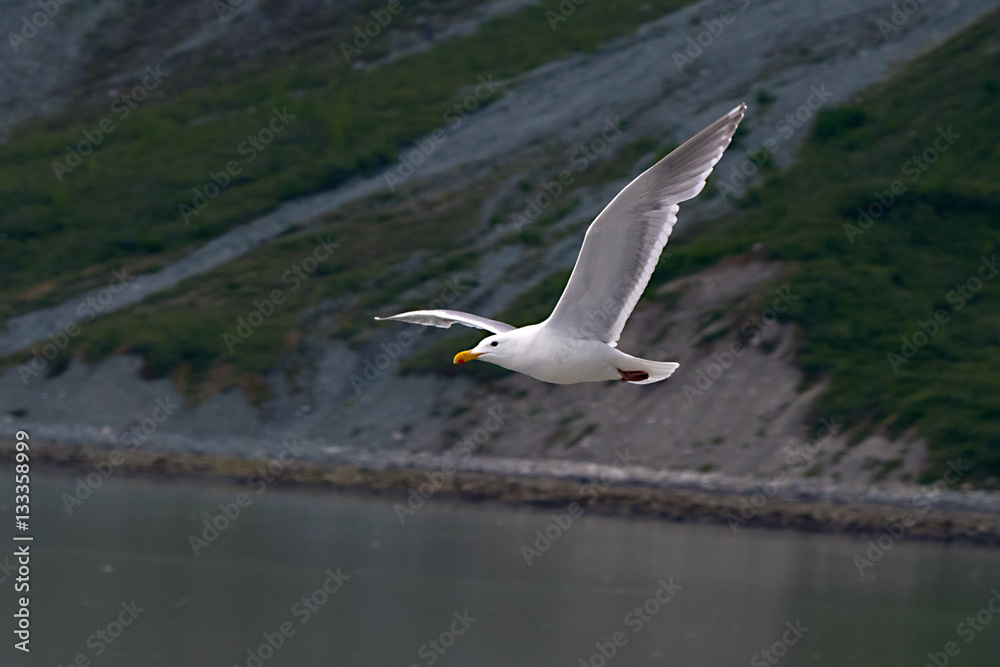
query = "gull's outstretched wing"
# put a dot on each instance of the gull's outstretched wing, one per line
(445, 318)
(623, 244)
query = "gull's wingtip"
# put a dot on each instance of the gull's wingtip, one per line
(737, 114)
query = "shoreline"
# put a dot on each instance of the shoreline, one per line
(598, 489)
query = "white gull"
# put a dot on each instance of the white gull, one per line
(577, 343)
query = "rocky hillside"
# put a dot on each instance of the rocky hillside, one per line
(206, 211)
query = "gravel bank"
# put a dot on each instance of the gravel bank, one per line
(922, 512)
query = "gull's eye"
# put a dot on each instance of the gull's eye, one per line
(494, 344)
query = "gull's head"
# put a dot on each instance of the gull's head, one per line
(495, 349)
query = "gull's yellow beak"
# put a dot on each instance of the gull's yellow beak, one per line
(468, 355)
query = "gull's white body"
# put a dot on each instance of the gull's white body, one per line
(577, 343)
(537, 351)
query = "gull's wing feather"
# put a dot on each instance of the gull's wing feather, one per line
(445, 318)
(623, 244)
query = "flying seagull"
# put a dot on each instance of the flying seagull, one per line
(577, 343)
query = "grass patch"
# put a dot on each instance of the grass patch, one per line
(857, 300)
(886, 468)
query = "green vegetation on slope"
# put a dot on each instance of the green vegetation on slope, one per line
(236, 322)
(869, 290)
(121, 204)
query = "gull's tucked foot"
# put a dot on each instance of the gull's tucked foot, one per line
(633, 376)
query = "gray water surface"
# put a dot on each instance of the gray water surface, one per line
(456, 575)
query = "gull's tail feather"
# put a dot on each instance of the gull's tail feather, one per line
(644, 371)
